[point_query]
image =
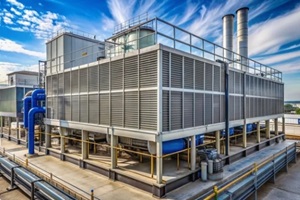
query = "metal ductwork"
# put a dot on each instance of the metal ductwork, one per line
(228, 35)
(242, 34)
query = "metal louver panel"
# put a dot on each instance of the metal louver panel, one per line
(208, 109)
(199, 75)
(237, 83)
(176, 110)
(247, 84)
(75, 108)
(222, 109)
(67, 78)
(222, 74)
(216, 108)
(117, 109)
(74, 82)
(148, 110)
(104, 109)
(116, 69)
(165, 110)
(188, 73)
(61, 84)
(61, 108)
(248, 114)
(49, 107)
(237, 108)
(68, 108)
(83, 80)
(231, 82)
(148, 69)
(199, 109)
(54, 108)
(131, 109)
(208, 76)
(104, 76)
(176, 71)
(188, 109)
(54, 85)
(49, 85)
(94, 108)
(165, 68)
(217, 78)
(231, 108)
(131, 72)
(93, 79)
(83, 108)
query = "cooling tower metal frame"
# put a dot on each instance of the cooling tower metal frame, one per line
(228, 25)
(242, 35)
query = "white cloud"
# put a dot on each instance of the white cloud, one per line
(189, 12)
(8, 14)
(24, 23)
(273, 59)
(7, 20)
(274, 33)
(31, 13)
(15, 11)
(12, 46)
(16, 3)
(17, 29)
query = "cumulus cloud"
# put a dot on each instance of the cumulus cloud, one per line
(12, 46)
(16, 3)
(7, 20)
(15, 11)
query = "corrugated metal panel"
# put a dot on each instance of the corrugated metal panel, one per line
(222, 79)
(94, 108)
(199, 109)
(188, 109)
(238, 83)
(188, 73)
(199, 75)
(74, 82)
(61, 108)
(165, 110)
(83, 80)
(222, 108)
(104, 76)
(176, 110)
(93, 78)
(84, 108)
(55, 108)
(247, 85)
(176, 71)
(231, 82)
(208, 109)
(67, 83)
(148, 69)
(49, 107)
(148, 110)
(104, 109)
(165, 68)
(61, 83)
(116, 75)
(68, 108)
(117, 109)
(216, 108)
(55, 84)
(49, 85)
(217, 74)
(131, 109)
(75, 108)
(131, 72)
(237, 108)
(208, 77)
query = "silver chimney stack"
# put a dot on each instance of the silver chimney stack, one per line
(228, 35)
(242, 34)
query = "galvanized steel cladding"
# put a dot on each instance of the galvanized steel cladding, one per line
(123, 93)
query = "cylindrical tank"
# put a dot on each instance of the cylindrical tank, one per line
(242, 34)
(228, 35)
(168, 146)
(133, 40)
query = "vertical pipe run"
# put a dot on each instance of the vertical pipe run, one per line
(228, 36)
(283, 125)
(193, 152)
(245, 135)
(31, 122)
(258, 131)
(159, 160)
(226, 109)
(218, 146)
(276, 126)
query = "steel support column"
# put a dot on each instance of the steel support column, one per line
(283, 125)
(62, 140)
(218, 141)
(245, 135)
(258, 131)
(268, 129)
(159, 160)
(84, 146)
(113, 144)
(193, 152)
(48, 136)
(276, 126)
(18, 130)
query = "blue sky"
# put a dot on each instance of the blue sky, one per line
(274, 28)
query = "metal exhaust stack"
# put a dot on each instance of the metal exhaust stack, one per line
(228, 36)
(242, 34)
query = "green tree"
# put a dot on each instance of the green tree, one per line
(288, 108)
(298, 111)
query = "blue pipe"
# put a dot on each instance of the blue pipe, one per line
(27, 106)
(38, 94)
(31, 120)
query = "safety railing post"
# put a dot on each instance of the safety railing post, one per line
(152, 166)
(92, 194)
(216, 192)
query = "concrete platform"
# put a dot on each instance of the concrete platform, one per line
(197, 188)
(78, 177)
(12, 194)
